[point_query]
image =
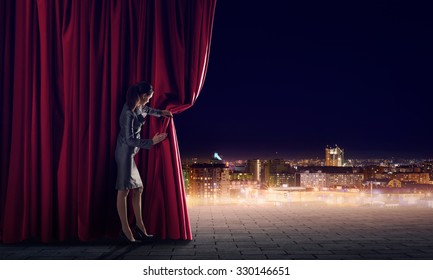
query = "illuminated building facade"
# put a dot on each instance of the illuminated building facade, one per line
(208, 180)
(282, 179)
(416, 177)
(334, 156)
(254, 167)
(313, 180)
(186, 176)
(277, 172)
(320, 180)
(413, 177)
(346, 180)
(241, 176)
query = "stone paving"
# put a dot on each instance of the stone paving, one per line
(268, 231)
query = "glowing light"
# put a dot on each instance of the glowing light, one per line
(216, 156)
(248, 195)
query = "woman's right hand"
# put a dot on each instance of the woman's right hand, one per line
(158, 138)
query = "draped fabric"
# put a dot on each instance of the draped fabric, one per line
(65, 66)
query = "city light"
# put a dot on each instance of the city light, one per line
(327, 182)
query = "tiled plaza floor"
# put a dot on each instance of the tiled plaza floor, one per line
(287, 231)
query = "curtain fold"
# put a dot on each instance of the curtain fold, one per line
(65, 66)
(182, 58)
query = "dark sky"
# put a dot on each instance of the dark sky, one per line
(291, 77)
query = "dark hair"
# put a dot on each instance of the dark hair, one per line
(134, 92)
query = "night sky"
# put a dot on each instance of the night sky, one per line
(287, 78)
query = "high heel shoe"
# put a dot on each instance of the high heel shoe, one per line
(141, 234)
(125, 239)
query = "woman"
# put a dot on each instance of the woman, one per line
(128, 144)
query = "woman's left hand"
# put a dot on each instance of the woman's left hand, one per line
(166, 113)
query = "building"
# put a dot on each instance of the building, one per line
(376, 183)
(329, 169)
(276, 172)
(427, 167)
(313, 180)
(344, 180)
(319, 180)
(282, 180)
(413, 177)
(241, 176)
(254, 167)
(370, 171)
(334, 156)
(186, 175)
(208, 180)
(416, 177)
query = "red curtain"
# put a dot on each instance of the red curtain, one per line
(64, 68)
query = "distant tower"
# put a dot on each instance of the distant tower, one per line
(253, 166)
(334, 156)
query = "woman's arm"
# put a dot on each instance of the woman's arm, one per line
(129, 134)
(153, 112)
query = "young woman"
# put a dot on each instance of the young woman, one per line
(128, 144)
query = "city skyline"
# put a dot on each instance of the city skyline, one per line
(288, 79)
(209, 156)
(287, 181)
(311, 162)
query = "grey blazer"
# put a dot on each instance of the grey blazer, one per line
(129, 143)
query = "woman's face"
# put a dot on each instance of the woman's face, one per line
(144, 99)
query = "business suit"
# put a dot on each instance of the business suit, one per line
(129, 143)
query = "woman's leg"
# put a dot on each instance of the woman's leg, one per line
(136, 205)
(122, 211)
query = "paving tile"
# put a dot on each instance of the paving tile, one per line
(267, 245)
(273, 252)
(183, 252)
(137, 257)
(279, 257)
(163, 249)
(95, 250)
(160, 253)
(386, 256)
(195, 257)
(254, 257)
(46, 258)
(339, 257)
(206, 253)
(311, 247)
(233, 256)
(224, 244)
(302, 257)
(249, 244)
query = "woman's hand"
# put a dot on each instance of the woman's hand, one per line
(158, 138)
(166, 113)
